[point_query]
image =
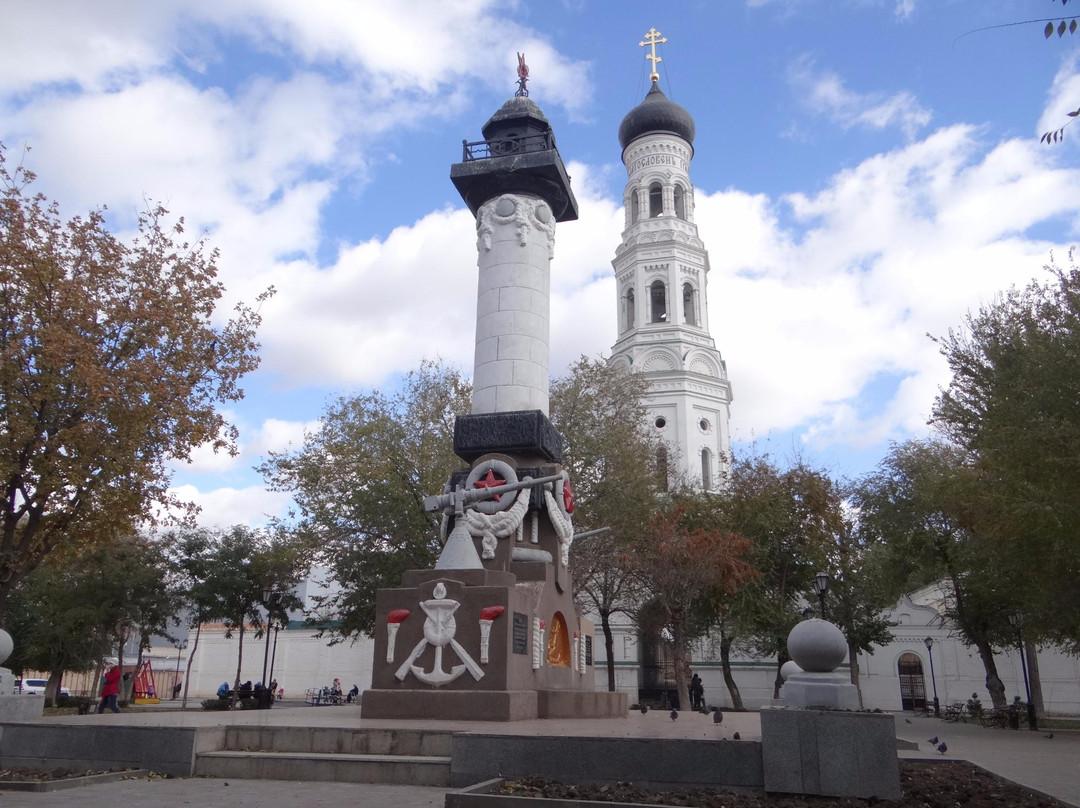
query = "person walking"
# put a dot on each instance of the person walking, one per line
(110, 691)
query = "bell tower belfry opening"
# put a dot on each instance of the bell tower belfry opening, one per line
(661, 272)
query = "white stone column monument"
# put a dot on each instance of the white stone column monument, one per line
(515, 242)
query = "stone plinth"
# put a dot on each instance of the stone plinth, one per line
(836, 754)
(807, 690)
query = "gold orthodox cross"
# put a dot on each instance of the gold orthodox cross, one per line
(651, 39)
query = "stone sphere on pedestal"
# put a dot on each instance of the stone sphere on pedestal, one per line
(788, 668)
(817, 646)
(6, 646)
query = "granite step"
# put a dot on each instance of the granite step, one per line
(421, 770)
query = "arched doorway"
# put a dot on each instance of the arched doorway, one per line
(912, 684)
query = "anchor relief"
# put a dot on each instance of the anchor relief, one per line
(439, 629)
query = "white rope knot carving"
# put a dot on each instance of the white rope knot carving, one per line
(500, 525)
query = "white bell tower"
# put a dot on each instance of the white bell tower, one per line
(661, 271)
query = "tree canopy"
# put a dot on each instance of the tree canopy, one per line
(111, 366)
(1012, 404)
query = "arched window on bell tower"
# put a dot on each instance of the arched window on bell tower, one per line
(662, 466)
(680, 202)
(635, 207)
(706, 469)
(658, 302)
(656, 200)
(689, 304)
(628, 313)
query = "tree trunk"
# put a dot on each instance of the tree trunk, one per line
(853, 655)
(187, 668)
(239, 663)
(682, 683)
(609, 648)
(1032, 654)
(993, 681)
(52, 687)
(725, 665)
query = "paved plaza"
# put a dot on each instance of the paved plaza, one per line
(1029, 758)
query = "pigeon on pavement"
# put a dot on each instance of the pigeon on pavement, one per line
(1049, 735)
(644, 709)
(674, 715)
(933, 740)
(942, 747)
(717, 716)
(736, 737)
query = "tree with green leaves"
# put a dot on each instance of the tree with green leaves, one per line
(791, 515)
(610, 455)
(112, 367)
(359, 483)
(1012, 405)
(73, 611)
(928, 503)
(243, 563)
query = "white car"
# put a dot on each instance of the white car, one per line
(36, 687)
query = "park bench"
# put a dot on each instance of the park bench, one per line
(954, 712)
(1001, 718)
(318, 696)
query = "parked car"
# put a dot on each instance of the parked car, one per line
(36, 687)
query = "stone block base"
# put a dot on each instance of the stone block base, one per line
(21, 708)
(492, 705)
(820, 691)
(581, 704)
(450, 705)
(834, 754)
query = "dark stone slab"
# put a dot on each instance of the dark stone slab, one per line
(523, 432)
(830, 753)
(539, 173)
(450, 705)
(653, 762)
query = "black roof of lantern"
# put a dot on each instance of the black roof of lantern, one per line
(656, 114)
(517, 155)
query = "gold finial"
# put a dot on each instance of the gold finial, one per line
(651, 39)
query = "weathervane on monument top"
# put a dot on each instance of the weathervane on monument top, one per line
(523, 77)
(651, 39)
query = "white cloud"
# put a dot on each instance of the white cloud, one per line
(823, 92)
(253, 506)
(1062, 97)
(904, 9)
(810, 316)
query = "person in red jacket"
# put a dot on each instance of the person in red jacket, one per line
(111, 690)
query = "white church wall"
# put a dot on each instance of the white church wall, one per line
(958, 670)
(302, 661)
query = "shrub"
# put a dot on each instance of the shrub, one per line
(215, 704)
(82, 703)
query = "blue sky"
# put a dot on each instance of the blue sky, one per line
(866, 172)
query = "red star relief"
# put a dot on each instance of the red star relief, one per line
(490, 481)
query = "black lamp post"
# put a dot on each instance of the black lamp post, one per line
(929, 642)
(270, 599)
(273, 655)
(1016, 620)
(821, 586)
(180, 646)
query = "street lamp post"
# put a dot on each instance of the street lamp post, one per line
(180, 646)
(267, 594)
(821, 586)
(929, 642)
(273, 654)
(1017, 622)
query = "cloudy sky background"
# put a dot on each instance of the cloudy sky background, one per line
(866, 172)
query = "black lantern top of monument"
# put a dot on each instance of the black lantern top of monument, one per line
(517, 155)
(656, 114)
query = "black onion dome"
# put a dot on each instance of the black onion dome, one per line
(656, 114)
